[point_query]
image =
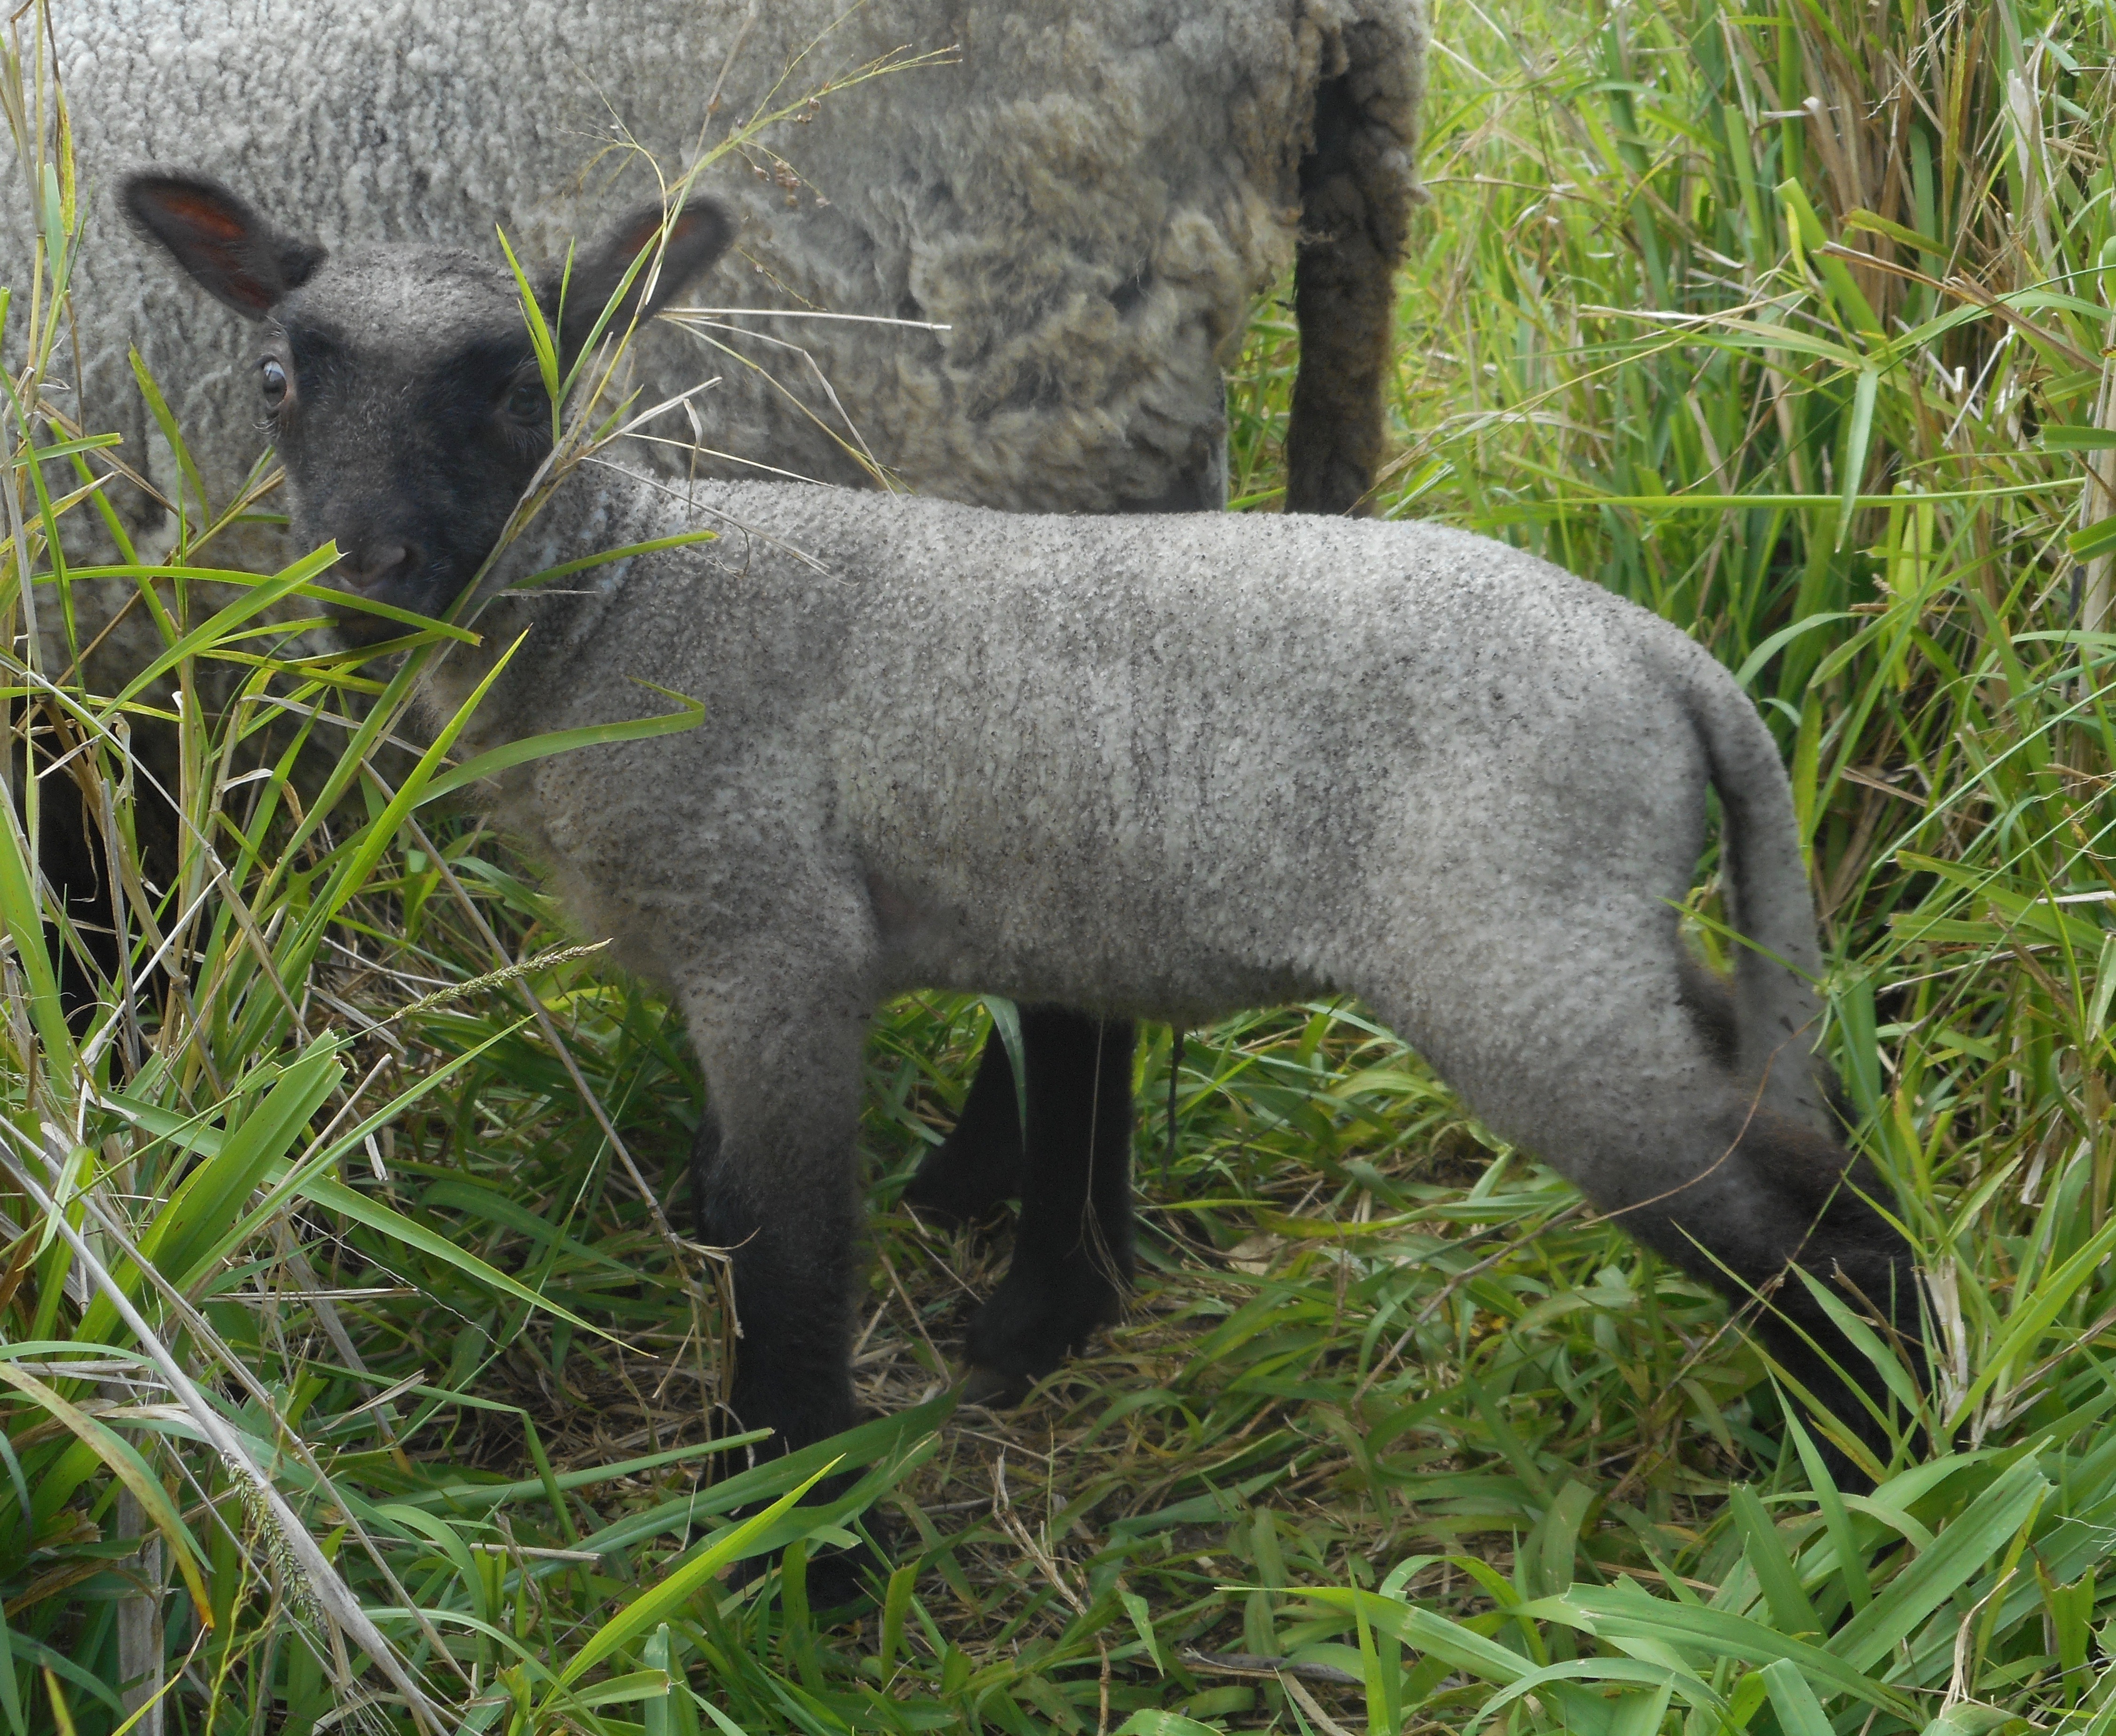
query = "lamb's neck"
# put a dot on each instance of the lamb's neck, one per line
(598, 508)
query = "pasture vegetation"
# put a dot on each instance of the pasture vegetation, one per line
(346, 1304)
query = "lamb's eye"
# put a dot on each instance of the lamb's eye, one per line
(273, 378)
(525, 402)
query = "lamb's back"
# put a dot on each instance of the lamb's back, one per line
(1055, 739)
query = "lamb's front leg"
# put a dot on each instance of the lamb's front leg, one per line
(777, 1183)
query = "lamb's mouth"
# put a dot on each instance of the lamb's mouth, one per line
(360, 628)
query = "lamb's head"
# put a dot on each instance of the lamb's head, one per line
(399, 383)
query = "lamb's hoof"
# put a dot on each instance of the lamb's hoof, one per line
(1034, 1321)
(840, 1583)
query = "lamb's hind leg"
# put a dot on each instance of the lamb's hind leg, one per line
(969, 1176)
(1073, 1248)
(1608, 1063)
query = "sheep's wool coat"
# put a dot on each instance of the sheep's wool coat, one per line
(1085, 197)
(1159, 765)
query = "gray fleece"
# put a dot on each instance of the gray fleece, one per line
(1159, 766)
(1086, 200)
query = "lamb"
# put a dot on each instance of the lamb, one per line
(1076, 210)
(1163, 766)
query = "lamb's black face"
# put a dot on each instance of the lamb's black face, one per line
(399, 383)
(404, 398)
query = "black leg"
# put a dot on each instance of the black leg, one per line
(793, 1294)
(1782, 1199)
(777, 1185)
(793, 1279)
(1073, 1249)
(1352, 225)
(74, 858)
(971, 1175)
(792, 1361)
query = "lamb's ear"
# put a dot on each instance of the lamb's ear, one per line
(237, 257)
(698, 234)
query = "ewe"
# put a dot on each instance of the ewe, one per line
(1159, 766)
(1086, 198)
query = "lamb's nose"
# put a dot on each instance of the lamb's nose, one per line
(371, 566)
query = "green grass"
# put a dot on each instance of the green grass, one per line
(1393, 1413)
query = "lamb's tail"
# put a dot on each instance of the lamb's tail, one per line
(1777, 1012)
(1791, 1160)
(1357, 182)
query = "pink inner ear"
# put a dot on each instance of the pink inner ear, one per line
(202, 214)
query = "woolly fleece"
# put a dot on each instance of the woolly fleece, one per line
(1161, 766)
(1195, 764)
(1087, 201)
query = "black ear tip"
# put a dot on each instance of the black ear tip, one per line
(697, 236)
(139, 195)
(156, 197)
(701, 221)
(134, 188)
(137, 188)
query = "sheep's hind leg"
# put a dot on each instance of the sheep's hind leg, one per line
(969, 1176)
(1791, 1195)
(1073, 1250)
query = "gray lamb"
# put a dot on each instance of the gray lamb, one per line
(1086, 199)
(1152, 766)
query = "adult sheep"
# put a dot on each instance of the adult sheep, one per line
(1083, 200)
(1163, 766)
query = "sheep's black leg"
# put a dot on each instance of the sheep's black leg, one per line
(1780, 1199)
(1073, 1250)
(73, 861)
(776, 1186)
(74, 858)
(793, 1265)
(971, 1174)
(793, 1279)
